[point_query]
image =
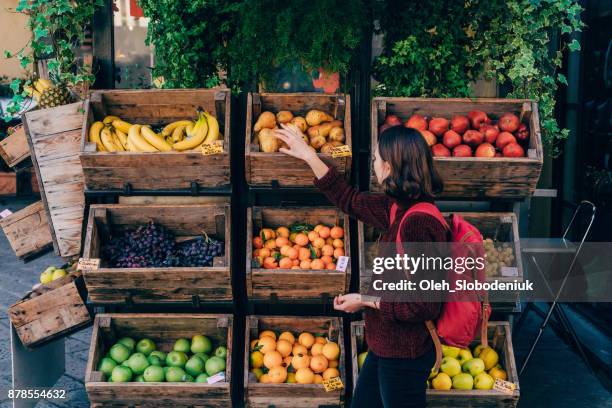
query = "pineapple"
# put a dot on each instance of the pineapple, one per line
(51, 95)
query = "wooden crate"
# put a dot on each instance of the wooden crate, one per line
(164, 330)
(472, 177)
(294, 284)
(500, 339)
(271, 169)
(257, 395)
(8, 183)
(500, 226)
(50, 311)
(161, 170)
(27, 230)
(14, 148)
(158, 285)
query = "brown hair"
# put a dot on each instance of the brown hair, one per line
(412, 176)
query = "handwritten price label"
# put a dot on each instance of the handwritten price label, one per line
(90, 264)
(504, 386)
(333, 384)
(341, 151)
(509, 271)
(5, 213)
(216, 378)
(342, 263)
(212, 148)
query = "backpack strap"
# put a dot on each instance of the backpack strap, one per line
(431, 327)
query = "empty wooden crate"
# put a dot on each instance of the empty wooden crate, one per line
(158, 284)
(260, 395)
(163, 330)
(264, 283)
(472, 177)
(277, 169)
(28, 231)
(159, 170)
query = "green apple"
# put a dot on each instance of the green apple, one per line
(138, 363)
(154, 374)
(140, 378)
(202, 356)
(194, 366)
(128, 342)
(201, 344)
(188, 378)
(463, 381)
(174, 374)
(478, 349)
(126, 363)
(176, 359)
(483, 381)
(450, 351)
(154, 360)
(119, 353)
(58, 273)
(159, 354)
(464, 355)
(47, 275)
(361, 359)
(121, 374)
(442, 382)
(450, 366)
(182, 345)
(474, 367)
(214, 365)
(202, 378)
(221, 352)
(106, 366)
(145, 346)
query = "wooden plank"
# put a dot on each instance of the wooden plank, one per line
(14, 148)
(8, 183)
(54, 137)
(27, 230)
(178, 200)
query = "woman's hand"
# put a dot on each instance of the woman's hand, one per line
(349, 303)
(299, 149)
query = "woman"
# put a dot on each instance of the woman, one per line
(401, 352)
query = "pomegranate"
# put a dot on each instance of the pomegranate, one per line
(430, 138)
(462, 151)
(477, 119)
(513, 149)
(490, 132)
(439, 150)
(508, 122)
(485, 150)
(460, 124)
(473, 138)
(451, 139)
(393, 120)
(438, 126)
(503, 139)
(416, 121)
(522, 133)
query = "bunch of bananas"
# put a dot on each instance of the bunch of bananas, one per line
(116, 135)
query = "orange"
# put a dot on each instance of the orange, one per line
(292, 236)
(318, 364)
(316, 349)
(267, 234)
(299, 349)
(305, 264)
(301, 239)
(284, 347)
(331, 266)
(273, 359)
(281, 241)
(284, 249)
(296, 262)
(327, 259)
(256, 253)
(317, 264)
(306, 339)
(296, 267)
(264, 379)
(270, 263)
(329, 241)
(318, 243)
(256, 359)
(320, 340)
(333, 364)
(336, 232)
(312, 235)
(331, 373)
(300, 361)
(304, 376)
(318, 379)
(270, 244)
(267, 344)
(327, 250)
(287, 361)
(257, 242)
(324, 232)
(338, 252)
(331, 351)
(277, 374)
(265, 252)
(292, 253)
(268, 333)
(318, 227)
(282, 232)
(285, 263)
(303, 254)
(338, 243)
(287, 336)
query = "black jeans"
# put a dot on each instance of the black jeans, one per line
(393, 382)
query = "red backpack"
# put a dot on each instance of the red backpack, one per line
(459, 321)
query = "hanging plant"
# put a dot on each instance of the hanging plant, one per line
(58, 28)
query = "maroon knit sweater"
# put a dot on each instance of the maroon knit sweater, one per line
(398, 329)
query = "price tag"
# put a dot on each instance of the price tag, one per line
(506, 219)
(333, 384)
(342, 263)
(212, 148)
(504, 386)
(90, 264)
(216, 378)
(5, 213)
(341, 151)
(509, 271)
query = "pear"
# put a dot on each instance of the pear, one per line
(284, 117)
(268, 142)
(266, 120)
